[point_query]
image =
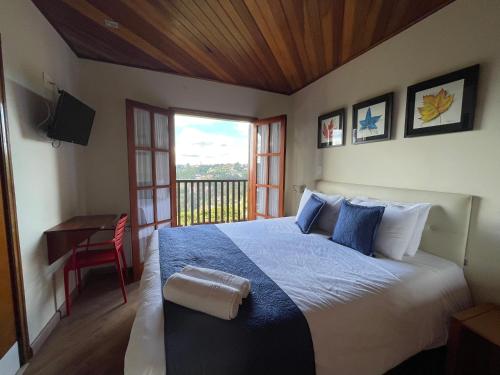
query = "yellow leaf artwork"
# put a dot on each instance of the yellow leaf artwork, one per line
(434, 105)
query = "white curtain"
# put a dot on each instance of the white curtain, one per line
(145, 206)
(262, 139)
(142, 128)
(261, 200)
(161, 131)
(143, 168)
(162, 168)
(163, 204)
(275, 137)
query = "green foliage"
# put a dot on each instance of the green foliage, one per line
(212, 171)
(224, 215)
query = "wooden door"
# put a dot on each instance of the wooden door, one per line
(151, 157)
(7, 312)
(267, 168)
(13, 326)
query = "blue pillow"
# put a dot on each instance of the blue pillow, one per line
(357, 226)
(310, 213)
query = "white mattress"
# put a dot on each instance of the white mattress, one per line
(366, 315)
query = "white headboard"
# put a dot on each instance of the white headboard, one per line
(447, 228)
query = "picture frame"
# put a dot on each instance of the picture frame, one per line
(445, 104)
(331, 129)
(372, 119)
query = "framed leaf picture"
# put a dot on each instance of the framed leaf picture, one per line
(444, 104)
(371, 119)
(331, 129)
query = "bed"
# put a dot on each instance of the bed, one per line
(365, 315)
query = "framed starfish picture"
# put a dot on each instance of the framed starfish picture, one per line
(331, 129)
(444, 104)
(371, 119)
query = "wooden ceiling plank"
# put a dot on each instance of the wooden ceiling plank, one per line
(276, 32)
(94, 48)
(327, 16)
(348, 29)
(396, 15)
(219, 45)
(338, 24)
(257, 40)
(380, 30)
(126, 16)
(314, 37)
(92, 41)
(362, 11)
(167, 22)
(263, 63)
(220, 20)
(373, 18)
(91, 12)
(294, 13)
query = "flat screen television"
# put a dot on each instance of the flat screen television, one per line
(72, 120)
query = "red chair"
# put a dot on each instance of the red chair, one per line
(101, 253)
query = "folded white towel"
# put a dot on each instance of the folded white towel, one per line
(206, 296)
(234, 281)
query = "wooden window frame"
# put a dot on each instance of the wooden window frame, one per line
(253, 185)
(130, 105)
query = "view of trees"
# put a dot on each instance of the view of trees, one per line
(228, 171)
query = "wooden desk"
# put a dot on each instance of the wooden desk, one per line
(62, 237)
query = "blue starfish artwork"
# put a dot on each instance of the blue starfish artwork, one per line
(369, 122)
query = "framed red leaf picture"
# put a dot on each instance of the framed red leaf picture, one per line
(331, 129)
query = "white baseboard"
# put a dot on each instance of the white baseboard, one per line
(44, 334)
(38, 342)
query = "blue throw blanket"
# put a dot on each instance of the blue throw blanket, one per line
(270, 334)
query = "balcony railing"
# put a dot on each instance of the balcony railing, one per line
(211, 201)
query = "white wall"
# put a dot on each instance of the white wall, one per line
(9, 363)
(105, 88)
(462, 34)
(47, 180)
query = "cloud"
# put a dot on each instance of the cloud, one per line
(210, 141)
(203, 144)
(191, 156)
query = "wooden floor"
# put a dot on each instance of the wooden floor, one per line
(94, 338)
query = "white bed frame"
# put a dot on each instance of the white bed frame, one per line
(447, 228)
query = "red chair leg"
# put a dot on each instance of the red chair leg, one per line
(79, 280)
(124, 264)
(66, 291)
(120, 278)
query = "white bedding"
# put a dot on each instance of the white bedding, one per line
(366, 315)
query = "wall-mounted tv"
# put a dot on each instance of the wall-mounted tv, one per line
(72, 120)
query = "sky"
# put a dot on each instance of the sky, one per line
(200, 140)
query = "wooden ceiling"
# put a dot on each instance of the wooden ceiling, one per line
(274, 45)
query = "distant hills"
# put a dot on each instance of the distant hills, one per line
(235, 171)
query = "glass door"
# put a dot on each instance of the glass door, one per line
(150, 133)
(267, 168)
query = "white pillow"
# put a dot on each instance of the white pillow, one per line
(396, 228)
(423, 212)
(330, 212)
